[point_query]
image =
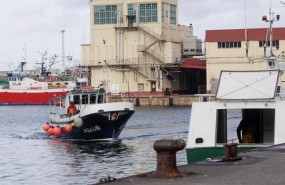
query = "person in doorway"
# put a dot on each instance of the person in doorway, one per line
(247, 126)
(71, 110)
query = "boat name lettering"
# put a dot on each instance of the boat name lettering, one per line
(89, 91)
(16, 84)
(92, 129)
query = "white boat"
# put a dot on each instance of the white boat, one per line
(96, 118)
(254, 94)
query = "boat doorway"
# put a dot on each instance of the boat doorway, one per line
(255, 126)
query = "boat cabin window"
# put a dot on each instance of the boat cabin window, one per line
(92, 98)
(84, 99)
(253, 125)
(12, 79)
(100, 98)
(76, 99)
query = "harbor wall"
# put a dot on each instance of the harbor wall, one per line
(181, 100)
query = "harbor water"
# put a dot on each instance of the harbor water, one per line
(30, 156)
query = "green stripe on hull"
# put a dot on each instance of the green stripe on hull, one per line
(200, 154)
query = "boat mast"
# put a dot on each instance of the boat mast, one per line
(42, 62)
(271, 59)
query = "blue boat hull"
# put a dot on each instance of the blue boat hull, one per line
(100, 126)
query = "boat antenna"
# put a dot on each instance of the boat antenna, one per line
(24, 59)
(245, 30)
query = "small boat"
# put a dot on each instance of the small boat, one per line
(95, 117)
(253, 97)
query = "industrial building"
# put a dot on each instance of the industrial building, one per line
(240, 49)
(142, 44)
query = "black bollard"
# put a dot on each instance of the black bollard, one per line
(166, 157)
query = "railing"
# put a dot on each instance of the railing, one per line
(205, 97)
(144, 47)
(157, 56)
(152, 33)
(118, 97)
(280, 96)
(145, 76)
(127, 61)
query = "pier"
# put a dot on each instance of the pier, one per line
(263, 166)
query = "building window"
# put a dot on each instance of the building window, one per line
(132, 12)
(162, 12)
(275, 43)
(152, 72)
(105, 14)
(148, 12)
(229, 44)
(140, 87)
(172, 14)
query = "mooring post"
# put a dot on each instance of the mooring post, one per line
(231, 152)
(166, 157)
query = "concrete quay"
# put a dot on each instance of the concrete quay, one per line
(175, 100)
(263, 166)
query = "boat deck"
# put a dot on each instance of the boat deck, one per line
(264, 166)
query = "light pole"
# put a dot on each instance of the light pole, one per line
(62, 32)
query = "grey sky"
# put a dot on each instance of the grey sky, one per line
(37, 23)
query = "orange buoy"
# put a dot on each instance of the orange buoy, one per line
(50, 131)
(63, 130)
(68, 127)
(57, 131)
(46, 127)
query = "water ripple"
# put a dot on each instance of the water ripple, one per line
(29, 155)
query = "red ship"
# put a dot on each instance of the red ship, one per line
(26, 89)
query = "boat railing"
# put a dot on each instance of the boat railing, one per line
(205, 97)
(57, 86)
(115, 97)
(280, 96)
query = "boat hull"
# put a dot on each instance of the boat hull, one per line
(202, 153)
(32, 97)
(98, 126)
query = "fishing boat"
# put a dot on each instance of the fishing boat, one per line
(98, 115)
(255, 95)
(95, 117)
(26, 88)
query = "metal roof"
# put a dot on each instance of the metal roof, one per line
(253, 34)
(194, 63)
